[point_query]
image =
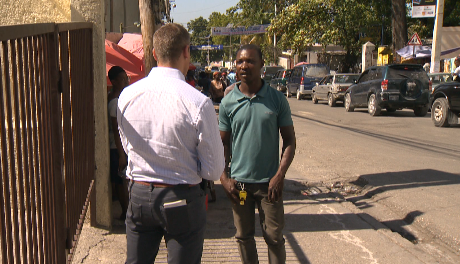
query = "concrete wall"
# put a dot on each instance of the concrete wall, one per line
(124, 11)
(39, 11)
(93, 11)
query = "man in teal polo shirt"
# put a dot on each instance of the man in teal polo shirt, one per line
(251, 117)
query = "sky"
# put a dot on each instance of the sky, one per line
(187, 10)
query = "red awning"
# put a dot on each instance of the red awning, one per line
(117, 56)
(301, 63)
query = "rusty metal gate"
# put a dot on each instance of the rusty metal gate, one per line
(46, 139)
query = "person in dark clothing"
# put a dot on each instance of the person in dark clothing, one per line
(205, 83)
(118, 159)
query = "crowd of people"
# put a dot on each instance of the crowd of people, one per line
(165, 141)
(212, 84)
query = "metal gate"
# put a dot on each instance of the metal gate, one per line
(46, 139)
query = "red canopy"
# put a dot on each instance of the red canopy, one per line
(301, 63)
(133, 43)
(117, 56)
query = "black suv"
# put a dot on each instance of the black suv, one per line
(267, 72)
(304, 77)
(445, 104)
(391, 87)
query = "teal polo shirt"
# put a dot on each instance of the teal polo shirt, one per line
(254, 124)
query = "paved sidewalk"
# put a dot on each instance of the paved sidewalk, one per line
(320, 229)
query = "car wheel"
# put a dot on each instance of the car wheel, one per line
(347, 103)
(439, 112)
(314, 99)
(330, 100)
(372, 106)
(391, 110)
(421, 111)
(299, 97)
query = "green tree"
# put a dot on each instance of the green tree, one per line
(424, 26)
(325, 22)
(199, 33)
(256, 12)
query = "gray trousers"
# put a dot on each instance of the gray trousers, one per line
(147, 221)
(271, 220)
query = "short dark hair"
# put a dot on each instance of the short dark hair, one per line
(251, 47)
(114, 72)
(169, 41)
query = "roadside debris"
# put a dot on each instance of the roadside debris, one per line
(340, 188)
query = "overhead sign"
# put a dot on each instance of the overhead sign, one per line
(423, 8)
(207, 47)
(226, 31)
(415, 40)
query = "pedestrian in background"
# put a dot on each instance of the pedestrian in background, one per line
(231, 77)
(253, 115)
(169, 131)
(457, 69)
(190, 78)
(205, 83)
(118, 160)
(217, 87)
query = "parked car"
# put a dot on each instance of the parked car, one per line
(440, 78)
(332, 87)
(445, 104)
(391, 87)
(279, 80)
(267, 72)
(304, 77)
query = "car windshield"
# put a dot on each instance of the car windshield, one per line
(316, 71)
(272, 70)
(406, 72)
(346, 78)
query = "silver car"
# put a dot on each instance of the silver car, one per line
(332, 87)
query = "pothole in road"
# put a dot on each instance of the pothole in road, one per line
(346, 191)
(333, 189)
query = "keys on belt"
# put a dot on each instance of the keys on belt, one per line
(243, 194)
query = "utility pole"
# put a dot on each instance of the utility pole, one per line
(437, 35)
(150, 16)
(208, 50)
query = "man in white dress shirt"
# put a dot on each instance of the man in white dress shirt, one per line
(169, 131)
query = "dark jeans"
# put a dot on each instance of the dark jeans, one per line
(271, 220)
(147, 222)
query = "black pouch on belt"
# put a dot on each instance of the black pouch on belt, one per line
(176, 216)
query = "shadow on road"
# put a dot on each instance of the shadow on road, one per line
(382, 182)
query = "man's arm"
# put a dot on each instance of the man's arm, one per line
(210, 150)
(276, 185)
(122, 161)
(228, 183)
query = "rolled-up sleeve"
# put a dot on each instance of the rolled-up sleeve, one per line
(210, 149)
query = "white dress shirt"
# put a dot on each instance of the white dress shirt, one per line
(169, 130)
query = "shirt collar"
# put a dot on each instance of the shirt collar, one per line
(261, 93)
(166, 72)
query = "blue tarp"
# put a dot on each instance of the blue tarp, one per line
(420, 52)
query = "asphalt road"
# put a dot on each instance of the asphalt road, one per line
(408, 168)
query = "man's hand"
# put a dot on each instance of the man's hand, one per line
(230, 188)
(275, 188)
